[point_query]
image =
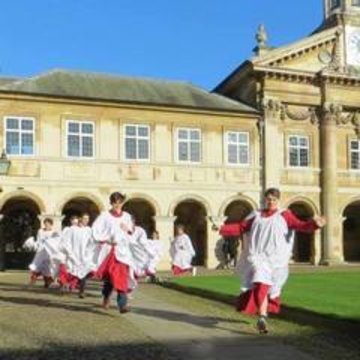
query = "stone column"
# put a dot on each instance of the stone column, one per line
(272, 141)
(331, 232)
(165, 227)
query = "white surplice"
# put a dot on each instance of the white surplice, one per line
(182, 252)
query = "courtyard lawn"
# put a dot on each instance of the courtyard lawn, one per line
(334, 294)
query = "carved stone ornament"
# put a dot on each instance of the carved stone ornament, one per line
(333, 113)
(301, 114)
(273, 108)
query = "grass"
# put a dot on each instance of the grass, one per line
(43, 325)
(334, 294)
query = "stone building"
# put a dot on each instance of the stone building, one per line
(287, 117)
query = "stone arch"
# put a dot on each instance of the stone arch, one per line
(304, 244)
(147, 198)
(351, 231)
(19, 221)
(301, 199)
(193, 197)
(24, 194)
(143, 211)
(245, 199)
(79, 194)
(193, 215)
(79, 203)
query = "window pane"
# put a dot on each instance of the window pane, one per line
(293, 157)
(183, 151)
(355, 160)
(303, 141)
(12, 142)
(243, 138)
(195, 151)
(27, 144)
(27, 125)
(334, 4)
(243, 154)
(130, 148)
(143, 131)
(73, 127)
(232, 137)
(130, 130)
(87, 128)
(73, 145)
(12, 123)
(355, 2)
(304, 157)
(355, 145)
(293, 141)
(183, 134)
(143, 149)
(232, 154)
(195, 135)
(87, 146)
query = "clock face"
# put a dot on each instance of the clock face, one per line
(353, 47)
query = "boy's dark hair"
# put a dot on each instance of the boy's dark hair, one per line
(49, 221)
(180, 226)
(74, 217)
(116, 196)
(274, 192)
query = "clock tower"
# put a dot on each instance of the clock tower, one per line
(346, 14)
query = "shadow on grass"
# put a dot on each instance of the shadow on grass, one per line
(291, 314)
(83, 307)
(194, 348)
(125, 351)
(186, 318)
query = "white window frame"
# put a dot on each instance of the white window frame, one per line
(350, 153)
(177, 141)
(298, 147)
(137, 137)
(226, 148)
(67, 133)
(19, 131)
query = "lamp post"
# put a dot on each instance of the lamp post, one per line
(4, 163)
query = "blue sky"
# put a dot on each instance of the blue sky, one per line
(200, 41)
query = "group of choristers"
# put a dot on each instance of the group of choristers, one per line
(115, 249)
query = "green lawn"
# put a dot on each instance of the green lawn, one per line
(334, 293)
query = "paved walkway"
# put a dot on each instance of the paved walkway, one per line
(192, 336)
(164, 324)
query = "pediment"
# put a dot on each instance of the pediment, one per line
(311, 54)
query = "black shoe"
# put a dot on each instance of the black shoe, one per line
(261, 325)
(124, 310)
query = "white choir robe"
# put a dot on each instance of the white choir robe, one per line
(42, 263)
(141, 251)
(107, 228)
(78, 246)
(157, 250)
(266, 254)
(182, 252)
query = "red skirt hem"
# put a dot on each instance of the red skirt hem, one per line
(176, 270)
(115, 271)
(249, 301)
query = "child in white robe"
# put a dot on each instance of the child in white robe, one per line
(157, 250)
(182, 252)
(41, 264)
(112, 256)
(263, 264)
(78, 246)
